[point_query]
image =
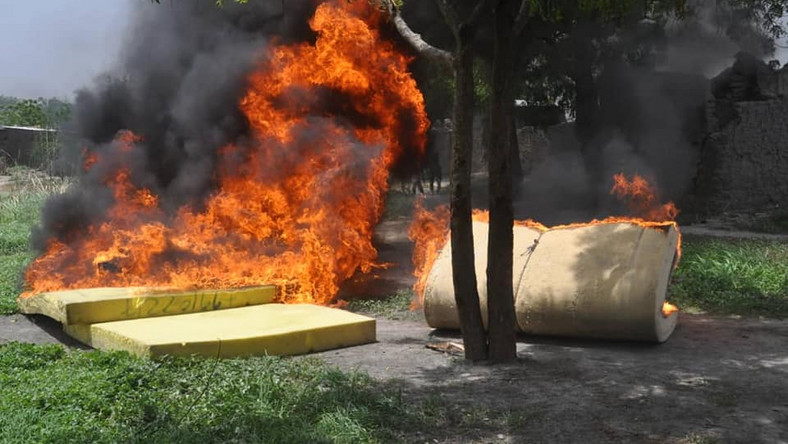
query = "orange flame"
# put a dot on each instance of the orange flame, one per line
(642, 199)
(668, 309)
(299, 211)
(429, 230)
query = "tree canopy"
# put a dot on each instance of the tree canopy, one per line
(41, 113)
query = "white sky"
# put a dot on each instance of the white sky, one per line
(54, 47)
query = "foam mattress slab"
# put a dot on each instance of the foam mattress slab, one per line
(88, 306)
(271, 329)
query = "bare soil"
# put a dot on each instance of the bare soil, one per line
(716, 380)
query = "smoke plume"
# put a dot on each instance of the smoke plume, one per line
(182, 73)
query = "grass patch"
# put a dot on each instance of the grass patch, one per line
(20, 209)
(11, 268)
(396, 306)
(53, 395)
(733, 276)
(18, 213)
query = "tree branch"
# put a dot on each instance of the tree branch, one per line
(414, 39)
(522, 17)
(477, 13)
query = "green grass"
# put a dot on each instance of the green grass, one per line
(20, 209)
(11, 267)
(18, 213)
(52, 395)
(726, 276)
(396, 306)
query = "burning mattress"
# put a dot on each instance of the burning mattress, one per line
(606, 280)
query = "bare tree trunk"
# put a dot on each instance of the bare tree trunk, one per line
(463, 264)
(500, 297)
(463, 268)
(587, 125)
(514, 147)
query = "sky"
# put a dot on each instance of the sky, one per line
(51, 48)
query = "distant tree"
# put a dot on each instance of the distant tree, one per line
(25, 113)
(57, 111)
(7, 100)
(41, 113)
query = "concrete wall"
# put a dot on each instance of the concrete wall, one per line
(744, 162)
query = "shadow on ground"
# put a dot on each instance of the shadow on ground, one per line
(716, 377)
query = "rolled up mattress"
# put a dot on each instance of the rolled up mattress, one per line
(606, 280)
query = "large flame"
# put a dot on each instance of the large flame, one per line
(430, 229)
(295, 209)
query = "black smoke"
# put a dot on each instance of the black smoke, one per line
(651, 92)
(181, 74)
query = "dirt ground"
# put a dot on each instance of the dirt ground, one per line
(718, 379)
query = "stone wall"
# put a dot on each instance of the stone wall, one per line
(744, 161)
(776, 84)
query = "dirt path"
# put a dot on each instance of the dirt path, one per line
(716, 377)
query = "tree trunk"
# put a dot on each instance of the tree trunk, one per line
(514, 147)
(587, 126)
(586, 105)
(500, 297)
(462, 259)
(464, 274)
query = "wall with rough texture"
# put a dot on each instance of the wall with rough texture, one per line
(744, 163)
(776, 85)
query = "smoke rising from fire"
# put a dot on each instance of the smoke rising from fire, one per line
(651, 117)
(178, 85)
(246, 161)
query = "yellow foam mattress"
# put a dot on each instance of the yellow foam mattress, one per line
(272, 329)
(88, 306)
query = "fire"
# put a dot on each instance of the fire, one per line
(296, 208)
(668, 309)
(642, 199)
(429, 230)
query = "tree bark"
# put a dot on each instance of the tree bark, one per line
(514, 147)
(587, 118)
(500, 295)
(463, 260)
(586, 105)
